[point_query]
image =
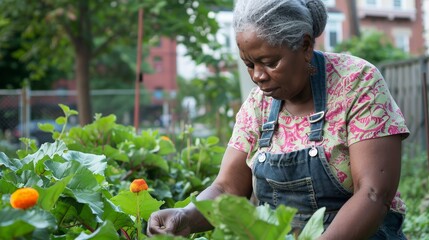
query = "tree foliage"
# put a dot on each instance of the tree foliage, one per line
(69, 34)
(372, 46)
(218, 94)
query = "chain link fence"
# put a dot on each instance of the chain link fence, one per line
(21, 110)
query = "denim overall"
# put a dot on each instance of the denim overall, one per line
(303, 179)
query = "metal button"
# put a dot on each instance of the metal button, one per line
(312, 152)
(262, 157)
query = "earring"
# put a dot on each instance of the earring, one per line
(311, 69)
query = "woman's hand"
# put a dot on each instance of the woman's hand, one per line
(234, 177)
(169, 221)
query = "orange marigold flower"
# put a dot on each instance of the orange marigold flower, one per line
(24, 198)
(138, 185)
(165, 138)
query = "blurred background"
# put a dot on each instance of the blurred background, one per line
(164, 64)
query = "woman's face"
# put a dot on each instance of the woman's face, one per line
(278, 71)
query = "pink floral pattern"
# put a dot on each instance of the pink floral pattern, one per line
(359, 107)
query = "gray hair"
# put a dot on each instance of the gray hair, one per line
(281, 22)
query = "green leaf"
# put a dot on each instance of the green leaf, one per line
(30, 178)
(156, 161)
(212, 140)
(166, 147)
(61, 170)
(163, 190)
(235, 217)
(180, 204)
(61, 120)
(15, 223)
(6, 187)
(105, 231)
(314, 227)
(85, 189)
(265, 213)
(47, 150)
(12, 164)
(217, 149)
(65, 108)
(17, 228)
(285, 216)
(206, 207)
(127, 201)
(65, 211)
(48, 197)
(146, 140)
(46, 127)
(95, 163)
(115, 154)
(115, 215)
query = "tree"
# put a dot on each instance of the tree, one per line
(217, 94)
(372, 46)
(75, 32)
(353, 18)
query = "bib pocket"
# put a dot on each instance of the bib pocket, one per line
(294, 193)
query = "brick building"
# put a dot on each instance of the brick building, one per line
(163, 81)
(401, 21)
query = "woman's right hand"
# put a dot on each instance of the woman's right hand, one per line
(169, 221)
(235, 178)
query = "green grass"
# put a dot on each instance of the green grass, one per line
(414, 188)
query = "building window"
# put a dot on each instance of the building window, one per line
(371, 2)
(397, 4)
(329, 3)
(403, 42)
(157, 63)
(333, 39)
(158, 93)
(333, 33)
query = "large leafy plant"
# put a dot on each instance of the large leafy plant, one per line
(173, 175)
(82, 182)
(236, 218)
(74, 197)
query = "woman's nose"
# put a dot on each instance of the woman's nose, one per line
(259, 74)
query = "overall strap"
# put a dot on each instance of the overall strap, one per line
(318, 88)
(269, 127)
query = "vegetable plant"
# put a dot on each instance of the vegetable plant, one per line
(103, 180)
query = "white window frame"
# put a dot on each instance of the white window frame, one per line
(375, 4)
(401, 6)
(329, 3)
(402, 41)
(335, 24)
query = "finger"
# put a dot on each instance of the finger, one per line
(156, 226)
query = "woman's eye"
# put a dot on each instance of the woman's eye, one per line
(249, 65)
(271, 64)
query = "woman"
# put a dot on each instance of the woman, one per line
(320, 130)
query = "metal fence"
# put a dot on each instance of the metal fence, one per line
(21, 110)
(405, 81)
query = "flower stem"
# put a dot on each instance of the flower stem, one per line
(139, 230)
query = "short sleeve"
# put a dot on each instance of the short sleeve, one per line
(372, 111)
(246, 128)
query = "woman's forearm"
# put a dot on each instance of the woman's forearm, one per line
(199, 222)
(360, 216)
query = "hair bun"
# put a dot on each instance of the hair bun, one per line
(319, 14)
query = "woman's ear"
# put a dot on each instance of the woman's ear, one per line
(307, 44)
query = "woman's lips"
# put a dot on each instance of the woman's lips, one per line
(268, 91)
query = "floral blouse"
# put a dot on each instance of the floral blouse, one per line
(359, 107)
